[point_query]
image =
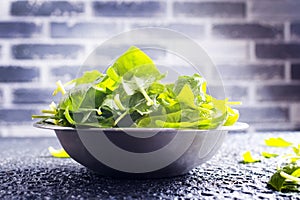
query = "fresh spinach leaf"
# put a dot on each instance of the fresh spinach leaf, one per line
(132, 89)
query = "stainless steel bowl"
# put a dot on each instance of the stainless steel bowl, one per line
(194, 147)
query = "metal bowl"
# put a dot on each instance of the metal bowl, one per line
(141, 152)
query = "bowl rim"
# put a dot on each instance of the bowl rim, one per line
(238, 126)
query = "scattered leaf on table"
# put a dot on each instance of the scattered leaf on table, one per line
(291, 157)
(58, 153)
(248, 158)
(268, 155)
(296, 173)
(277, 142)
(286, 178)
(297, 150)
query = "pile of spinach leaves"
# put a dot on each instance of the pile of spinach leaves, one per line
(131, 94)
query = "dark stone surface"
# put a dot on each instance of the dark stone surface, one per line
(40, 8)
(210, 9)
(18, 74)
(27, 171)
(129, 9)
(245, 31)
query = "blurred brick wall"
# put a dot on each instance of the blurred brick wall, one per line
(255, 44)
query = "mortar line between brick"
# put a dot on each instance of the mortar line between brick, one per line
(287, 71)
(294, 113)
(7, 96)
(6, 52)
(88, 8)
(44, 75)
(291, 112)
(252, 57)
(169, 10)
(126, 25)
(208, 30)
(52, 41)
(248, 4)
(252, 94)
(46, 29)
(287, 31)
(4, 132)
(5, 8)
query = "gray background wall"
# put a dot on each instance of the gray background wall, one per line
(254, 43)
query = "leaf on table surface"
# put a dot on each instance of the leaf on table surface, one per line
(277, 142)
(296, 149)
(248, 158)
(296, 173)
(292, 157)
(58, 153)
(269, 155)
(286, 178)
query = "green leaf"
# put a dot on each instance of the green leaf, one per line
(74, 97)
(59, 88)
(232, 116)
(297, 150)
(195, 82)
(276, 181)
(110, 104)
(68, 116)
(269, 155)
(296, 173)
(131, 59)
(131, 94)
(107, 85)
(186, 97)
(196, 124)
(156, 88)
(248, 158)
(283, 178)
(58, 153)
(136, 84)
(87, 77)
(277, 142)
